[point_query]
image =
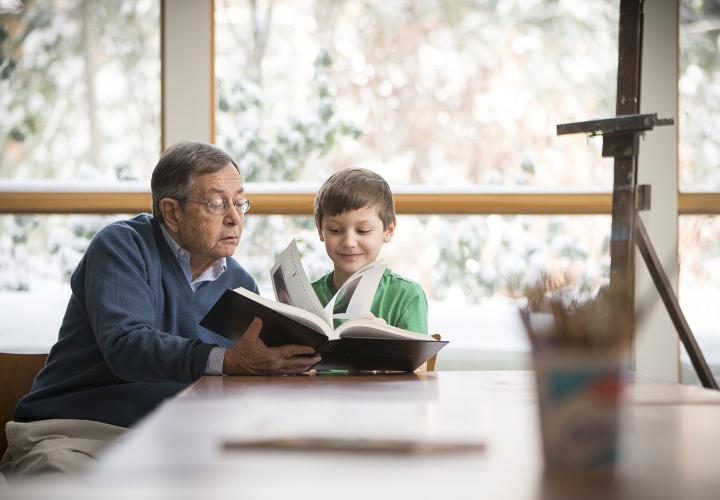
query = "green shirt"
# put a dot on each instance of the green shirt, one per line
(398, 300)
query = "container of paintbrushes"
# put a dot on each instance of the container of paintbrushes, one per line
(579, 353)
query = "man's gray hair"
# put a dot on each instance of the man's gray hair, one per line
(179, 166)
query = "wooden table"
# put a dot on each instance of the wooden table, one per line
(670, 445)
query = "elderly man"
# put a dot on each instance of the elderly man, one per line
(130, 337)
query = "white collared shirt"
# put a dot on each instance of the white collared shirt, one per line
(183, 257)
(214, 364)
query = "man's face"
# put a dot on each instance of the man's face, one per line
(353, 239)
(209, 236)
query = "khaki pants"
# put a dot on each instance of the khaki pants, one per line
(54, 446)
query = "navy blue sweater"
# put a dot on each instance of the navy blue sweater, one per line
(130, 336)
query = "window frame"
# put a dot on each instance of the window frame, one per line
(266, 202)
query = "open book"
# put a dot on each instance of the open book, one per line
(297, 317)
(352, 301)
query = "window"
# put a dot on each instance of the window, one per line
(80, 107)
(80, 91)
(700, 287)
(699, 91)
(699, 88)
(444, 99)
(426, 93)
(38, 253)
(438, 97)
(471, 267)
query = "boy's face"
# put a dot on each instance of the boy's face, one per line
(353, 239)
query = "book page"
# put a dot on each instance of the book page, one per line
(291, 285)
(355, 296)
(377, 329)
(302, 316)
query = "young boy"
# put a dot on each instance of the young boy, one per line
(355, 216)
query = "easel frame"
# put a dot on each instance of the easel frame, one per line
(621, 138)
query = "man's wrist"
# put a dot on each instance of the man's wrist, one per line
(215, 361)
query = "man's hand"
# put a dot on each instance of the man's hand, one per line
(250, 356)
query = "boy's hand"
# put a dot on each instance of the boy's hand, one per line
(250, 356)
(374, 318)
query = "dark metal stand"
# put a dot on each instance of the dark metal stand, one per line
(662, 283)
(621, 139)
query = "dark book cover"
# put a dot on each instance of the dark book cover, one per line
(232, 314)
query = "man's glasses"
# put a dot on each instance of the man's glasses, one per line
(220, 207)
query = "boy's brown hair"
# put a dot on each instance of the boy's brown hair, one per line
(351, 189)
